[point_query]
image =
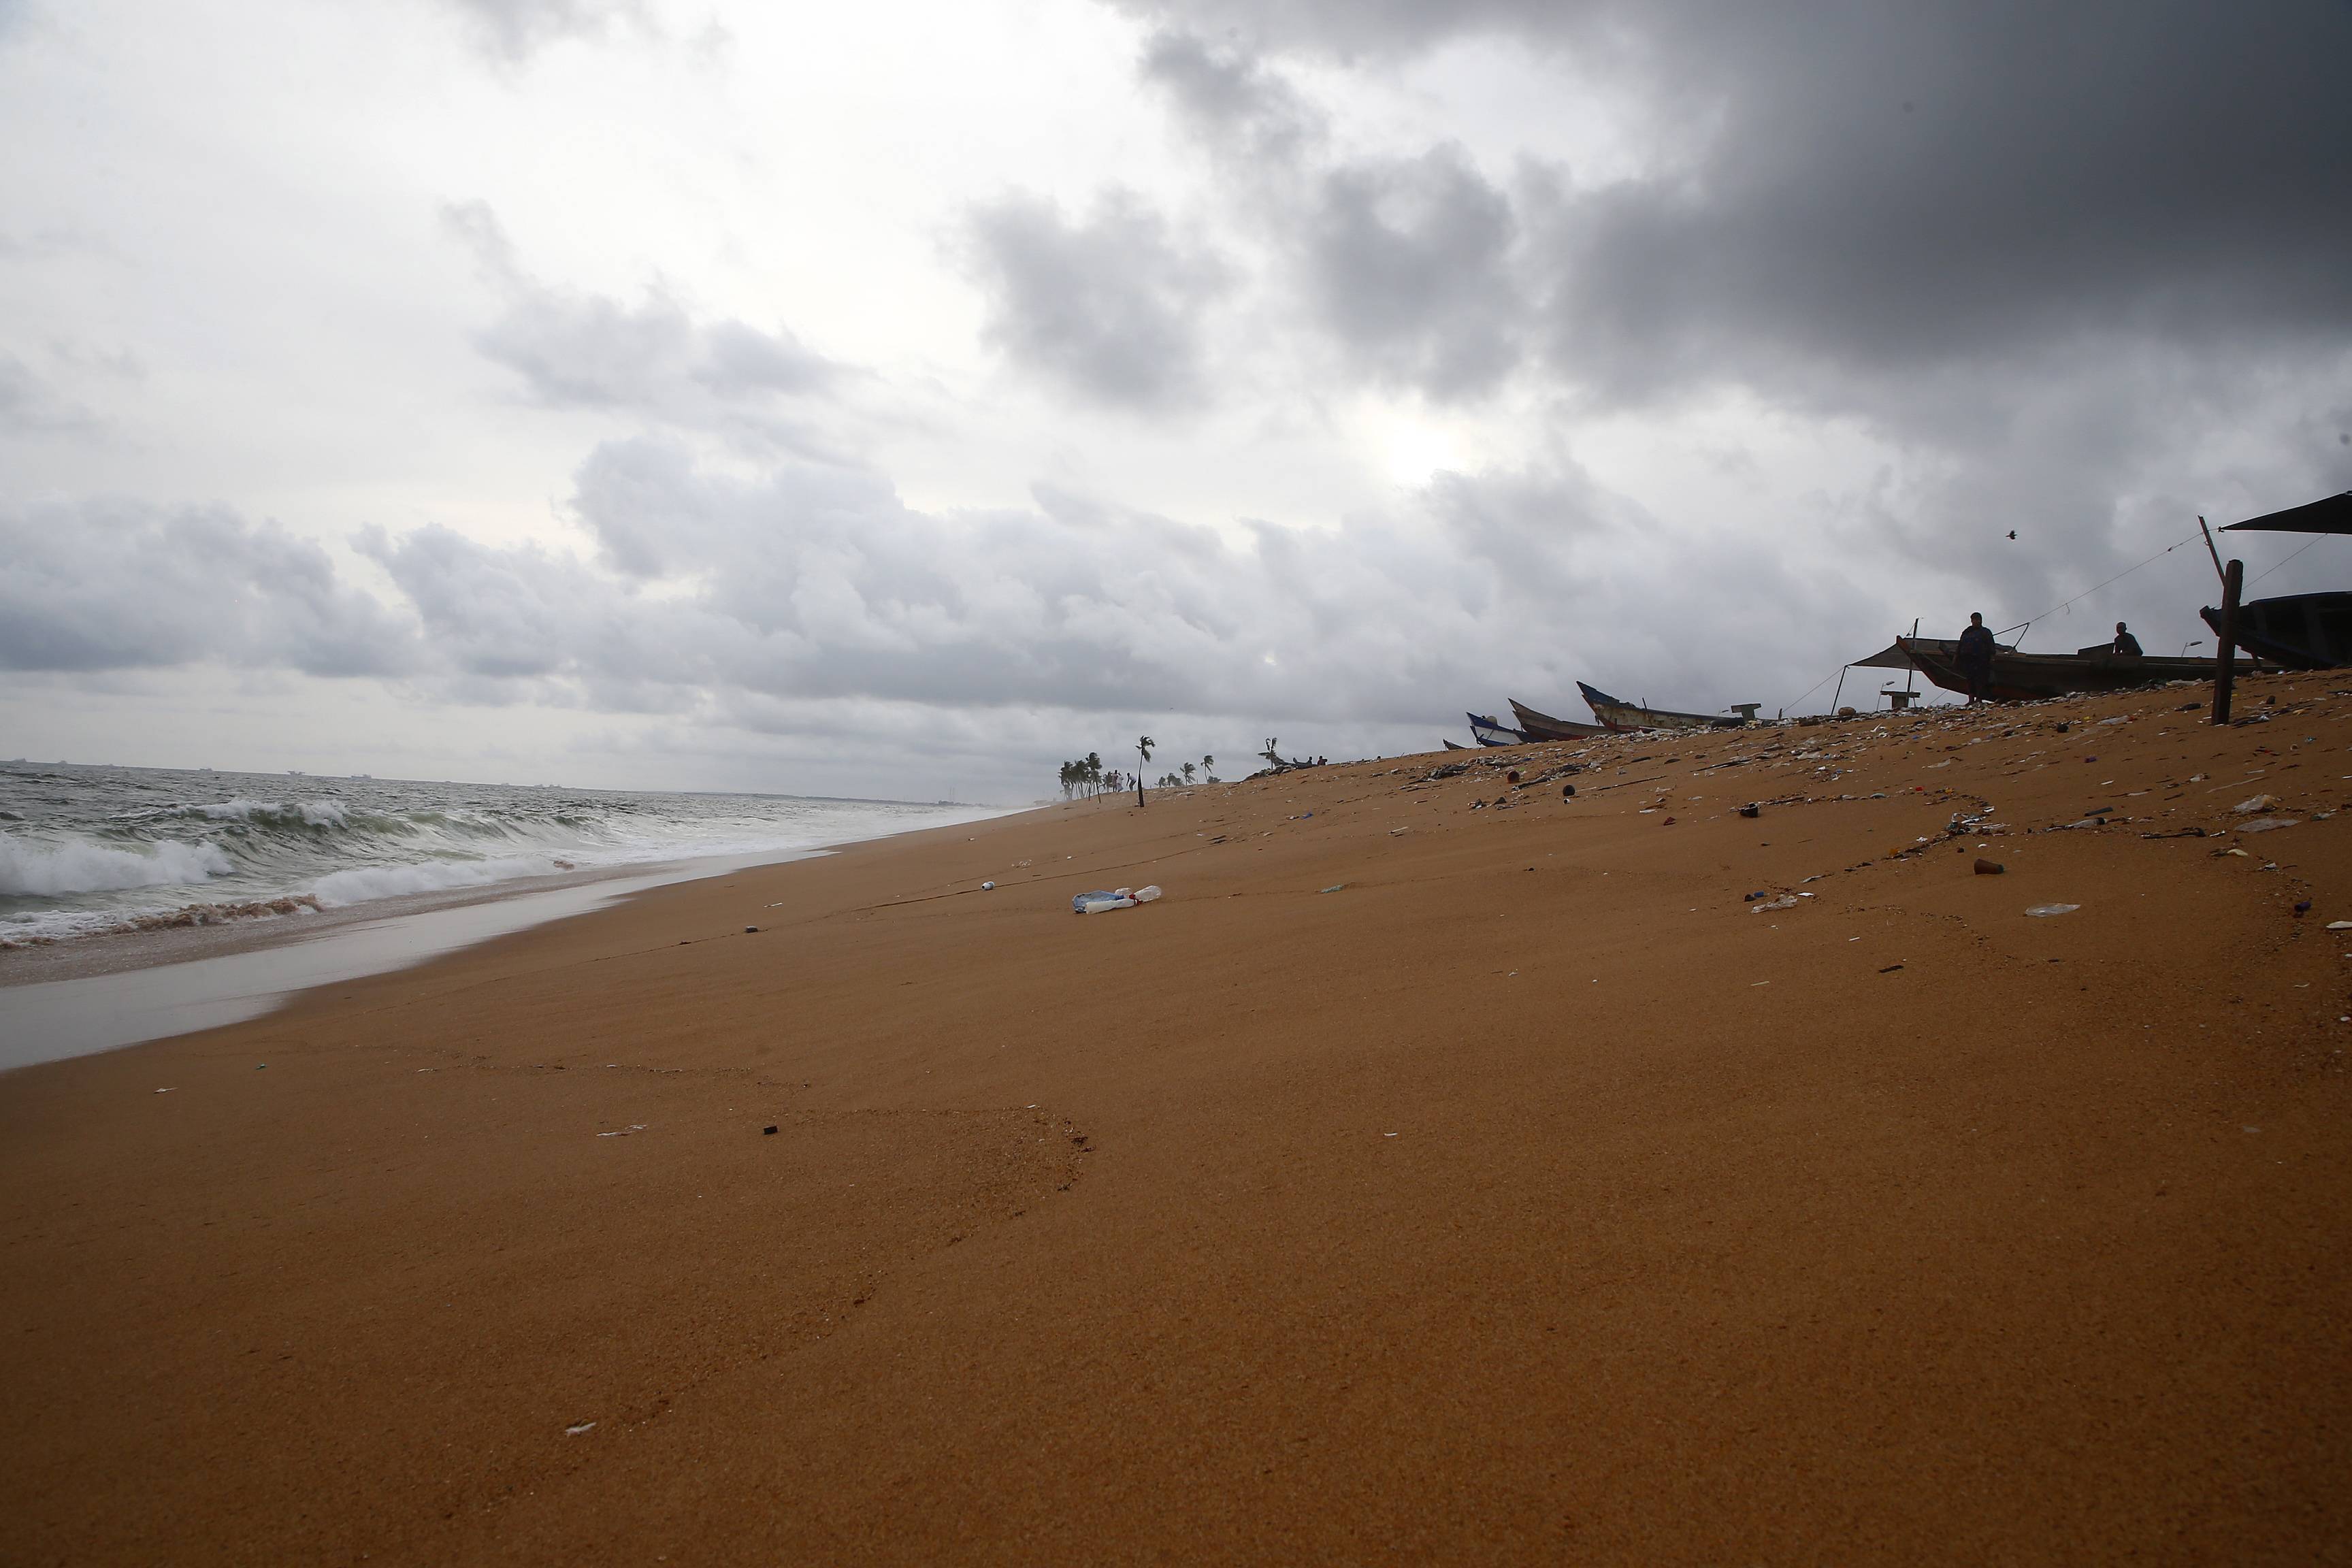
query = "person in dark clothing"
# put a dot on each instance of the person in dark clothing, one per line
(2125, 641)
(1974, 657)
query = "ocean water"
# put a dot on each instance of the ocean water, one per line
(92, 850)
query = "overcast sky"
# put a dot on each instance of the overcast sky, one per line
(899, 398)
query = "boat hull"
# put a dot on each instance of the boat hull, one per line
(1619, 715)
(1487, 731)
(2030, 676)
(2301, 631)
(1544, 727)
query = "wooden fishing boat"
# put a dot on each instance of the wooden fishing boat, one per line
(1489, 730)
(1615, 715)
(1544, 727)
(2028, 677)
(1458, 746)
(2299, 631)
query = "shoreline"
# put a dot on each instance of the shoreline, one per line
(64, 999)
(1442, 1170)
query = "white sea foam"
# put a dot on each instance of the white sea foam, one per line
(359, 884)
(77, 866)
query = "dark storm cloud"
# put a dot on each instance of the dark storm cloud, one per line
(99, 587)
(1408, 262)
(1108, 305)
(1857, 189)
(1230, 99)
(513, 31)
(651, 358)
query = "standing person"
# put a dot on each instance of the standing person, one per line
(1974, 656)
(2125, 642)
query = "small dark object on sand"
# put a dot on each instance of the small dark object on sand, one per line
(769, 1131)
(1568, 792)
(1512, 775)
(1751, 811)
(1989, 867)
(751, 930)
(1890, 969)
(2301, 909)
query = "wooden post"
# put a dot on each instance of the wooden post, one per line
(2225, 671)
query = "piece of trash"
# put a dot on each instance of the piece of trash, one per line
(1144, 895)
(2256, 802)
(1388, 1134)
(1751, 811)
(1989, 867)
(2340, 925)
(2264, 823)
(257, 1066)
(988, 886)
(2039, 910)
(1568, 792)
(575, 1430)
(751, 930)
(2301, 909)
(162, 1091)
(1667, 823)
(1785, 902)
(1394, 831)
(1334, 886)
(2239, 853)
(623, 1131)
(769, 1131)
(1890, 969)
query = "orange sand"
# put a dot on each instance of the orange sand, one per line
(1530, 1198)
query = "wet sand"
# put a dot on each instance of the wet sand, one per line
(1532, 1196)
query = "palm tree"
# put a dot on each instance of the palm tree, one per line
(1143, 746)
(1188, 773)
(1209, 769)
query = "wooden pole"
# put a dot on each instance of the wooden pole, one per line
(2233, 582)
(2209, 548)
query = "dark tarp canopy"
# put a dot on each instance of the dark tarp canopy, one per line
(1891, 657)
(2333, 515)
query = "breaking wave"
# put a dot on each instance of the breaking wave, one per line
(91, 850)
(77, 866)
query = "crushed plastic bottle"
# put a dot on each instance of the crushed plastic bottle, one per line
(1101, 899)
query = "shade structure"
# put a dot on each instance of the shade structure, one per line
(2333, 515)
(1891, 657)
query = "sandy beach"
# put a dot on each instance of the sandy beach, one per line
(1441, 1172)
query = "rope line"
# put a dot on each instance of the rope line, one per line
(2315, 539)
(2118, 577)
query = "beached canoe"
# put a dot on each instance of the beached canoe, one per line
(2298, 631)
(1538, 726)
(1617, 714)
(1489, 730)
(2029, 677)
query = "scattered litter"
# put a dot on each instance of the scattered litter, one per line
(2264, 823)
(988, 886)
(1394, 831)
(162, 1091)
(623, 1131)
(1785, 902)
(2340, 925)
(2239, 853)
(751, 930)
(1334, 886)
(257, 1066)
(2302, 908)
(1388, 1134)
(1751, 897)
(2258, 803)
(1097, 901)
(576, 1430)
(1568, 792)
(2054, 909)
(1751, 811)
(769, 1131)
(1989, 867)
(1890, 969)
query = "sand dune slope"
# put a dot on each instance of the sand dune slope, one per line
(1444, 1171)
